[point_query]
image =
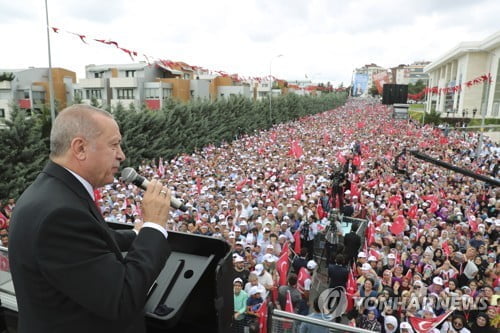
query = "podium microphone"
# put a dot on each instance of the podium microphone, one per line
(129, 175)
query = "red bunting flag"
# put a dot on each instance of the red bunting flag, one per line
(56, 30)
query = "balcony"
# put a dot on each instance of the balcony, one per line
(92, 83)
(25, 104)
(123, 82)
(5, 85)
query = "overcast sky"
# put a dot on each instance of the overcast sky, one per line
(322, 39)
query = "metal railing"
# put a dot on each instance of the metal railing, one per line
(286, 322)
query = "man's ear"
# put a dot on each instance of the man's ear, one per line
(79, 148)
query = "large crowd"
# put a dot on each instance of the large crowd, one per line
(432, 233)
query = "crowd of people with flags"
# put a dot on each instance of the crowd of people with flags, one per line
(431, 233)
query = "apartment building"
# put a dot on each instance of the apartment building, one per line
(29, 88)
(459, 66)
(406, 74)
(362, 79)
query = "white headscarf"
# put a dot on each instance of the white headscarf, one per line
(390, 320)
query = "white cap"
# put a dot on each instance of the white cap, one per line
(391, 256)
(238, 280)
(366, 267)
(268, 257)
(254, 290)
(258, 269)
(361, 255)
(437, 280)
(239, 259)
(270, 246)
(372, 258)
(311, 264)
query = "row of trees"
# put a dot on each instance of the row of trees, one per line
(176, 128)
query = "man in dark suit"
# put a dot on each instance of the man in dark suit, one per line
(67, 265)
(337, 273)
(352, 243)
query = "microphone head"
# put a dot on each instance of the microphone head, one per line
(129, 175)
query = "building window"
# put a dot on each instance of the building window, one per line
(38, 96)
(2, 113)
(187, 76)
(191, 92)
(129, 73)
(98, 75)
(125, 93)
(78, 93)
(151, 93)
(93, 93)
(167, 93)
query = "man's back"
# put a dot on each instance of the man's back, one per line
(337, 275)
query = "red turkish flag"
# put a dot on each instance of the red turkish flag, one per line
(282, 266)
(351, 288)
(289, 305)
(320, 210)
(409, 275)
(370, 234)
(297, 245)
(262, 313)
(285, 248)
(341, 158)
(300, 187)
(3, 221)
(356, 161)
(446, 249)
(198, 185)
(412, 213)
(398, 226)
(423, 325)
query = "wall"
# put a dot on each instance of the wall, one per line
(180, 89)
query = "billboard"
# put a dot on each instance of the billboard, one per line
(380, 79)
(360, 85)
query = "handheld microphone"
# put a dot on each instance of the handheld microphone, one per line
(129, 175)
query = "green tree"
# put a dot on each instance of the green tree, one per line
(374, 91)
(416, 88)
(22, 154)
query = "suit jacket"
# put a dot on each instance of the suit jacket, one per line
(67, 264)
(352, 243)
(338, 275)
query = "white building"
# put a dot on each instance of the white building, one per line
(466, 62)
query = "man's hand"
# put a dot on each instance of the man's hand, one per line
(156, 203)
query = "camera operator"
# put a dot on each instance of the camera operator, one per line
(332, 236)
(338, 182)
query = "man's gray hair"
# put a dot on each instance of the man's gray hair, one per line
(75, 120)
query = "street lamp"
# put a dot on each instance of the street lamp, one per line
(474, 111)
(271, 88)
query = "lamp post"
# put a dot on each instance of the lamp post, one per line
(51, 83)
(271, 88)
(474, 111)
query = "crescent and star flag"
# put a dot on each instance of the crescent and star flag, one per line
(424, 325)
